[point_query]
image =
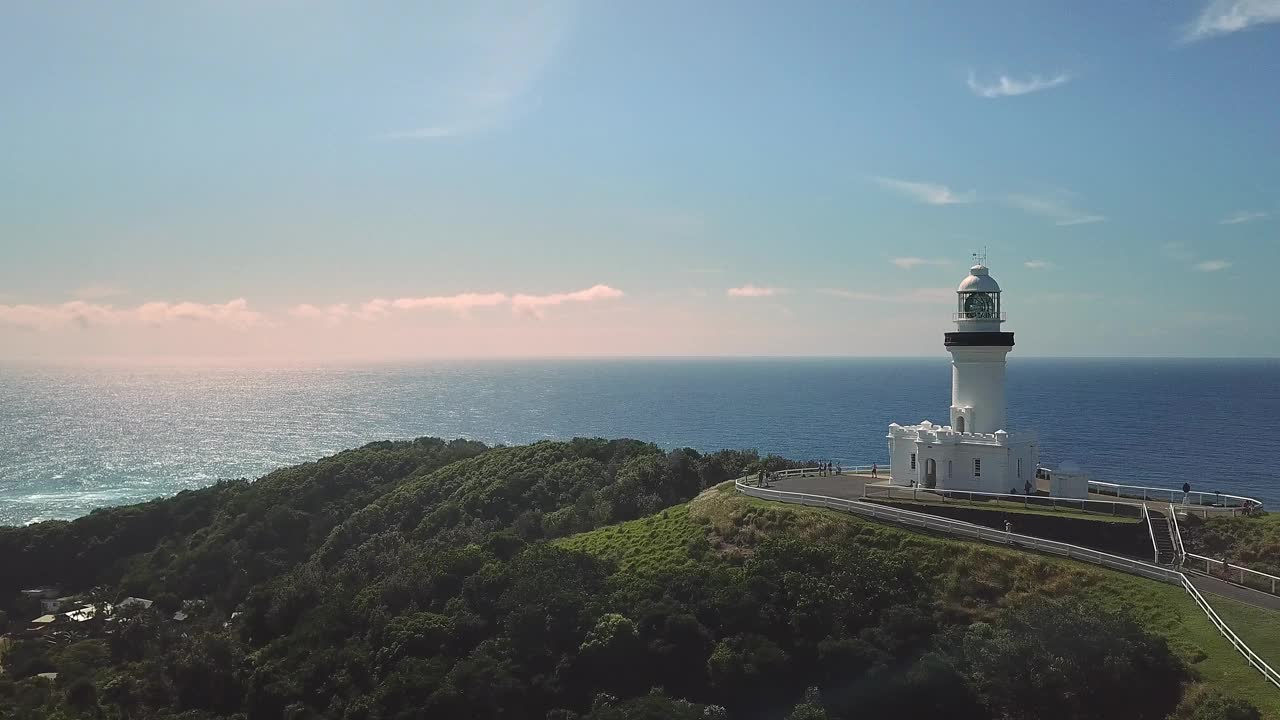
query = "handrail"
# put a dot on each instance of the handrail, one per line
(1177, 535)
(1275, 581)
(956, 527)
(963, 529)
(807, 471)
(1172, 496)
(1027, 501)
(1151, 531)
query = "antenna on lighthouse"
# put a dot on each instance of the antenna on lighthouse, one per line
(980, 258)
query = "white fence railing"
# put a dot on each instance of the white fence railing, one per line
(1155, 547)
(1194, 501)
(1042, 502)
(1176, 534)
(969, 530)
(1267, 671)
(965, 530)
(816, 471)
(1243, 575)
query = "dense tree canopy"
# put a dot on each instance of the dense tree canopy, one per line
(425, 580)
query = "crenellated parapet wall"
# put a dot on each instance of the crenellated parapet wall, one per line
(927, 432)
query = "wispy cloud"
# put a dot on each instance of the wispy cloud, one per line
(234, 314)
(927, 192)
(1223, 17)
(1037, 264)
(534, 304)
(1058, 207)
(458, 303)
(751, 291)
(1179, 252)
(461, 304)
(1243, 216)
(907, 263)
(932, 296)
(1212, 265)
(508, 55)
(1005, 86)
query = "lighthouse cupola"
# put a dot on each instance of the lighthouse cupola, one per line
(978, 302)
(978, 348)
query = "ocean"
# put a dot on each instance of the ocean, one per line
(75, 439)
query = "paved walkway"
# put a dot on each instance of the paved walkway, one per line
(850, 487)
(845, 486)
(1248, 596)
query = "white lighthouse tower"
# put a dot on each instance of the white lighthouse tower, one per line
(978, 348)
(976, 451)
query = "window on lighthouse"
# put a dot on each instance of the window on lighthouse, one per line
(913, 461)
(977, 467)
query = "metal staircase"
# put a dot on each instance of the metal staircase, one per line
(1163, 545)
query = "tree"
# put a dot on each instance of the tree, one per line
(1204, 704)
(81, 694)
(810, 708)
(1066, 659)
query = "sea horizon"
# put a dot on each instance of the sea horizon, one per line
(95, 436)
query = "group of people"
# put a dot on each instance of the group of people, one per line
(1248, 507)
(826, 469)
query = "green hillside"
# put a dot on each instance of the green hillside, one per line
(972, 581)
(588, 579)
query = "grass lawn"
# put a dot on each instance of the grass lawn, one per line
(650, 544)
(1004, 507)
(1258, 628)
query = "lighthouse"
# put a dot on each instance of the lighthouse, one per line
(978, 348)
(975, 450)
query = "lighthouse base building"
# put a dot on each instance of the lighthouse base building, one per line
(939, 456)
(976, 452)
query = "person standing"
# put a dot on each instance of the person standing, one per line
(1186, 492)
(874, 469)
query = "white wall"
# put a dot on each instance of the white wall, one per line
(977, 381)
(900, 461)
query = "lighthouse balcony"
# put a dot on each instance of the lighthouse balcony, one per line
(990, 317)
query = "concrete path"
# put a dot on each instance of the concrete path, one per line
(1248, 596)
(844, 486)
(851, 487)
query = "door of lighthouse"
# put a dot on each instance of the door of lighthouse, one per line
(930, 473)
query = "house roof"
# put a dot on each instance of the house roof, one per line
(85, 613)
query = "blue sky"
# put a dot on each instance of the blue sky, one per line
(307, 181)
